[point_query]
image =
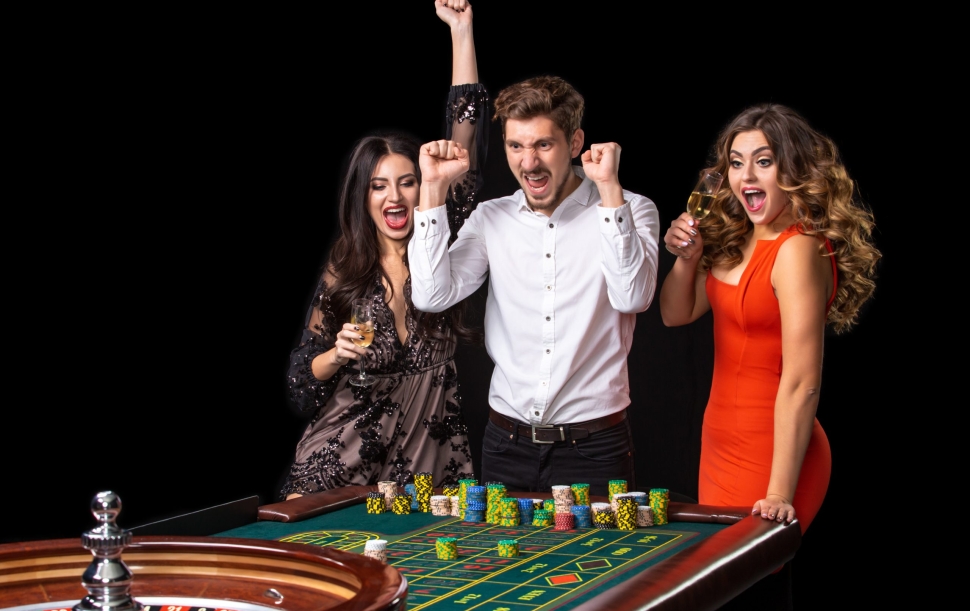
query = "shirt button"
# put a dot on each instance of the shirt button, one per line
(422, 223)
(548, 351)
(548, 317)
(619, 219)
(548, 288)
(434, 221)
(548, 255)
(550, 225)
(537, 413)
(606, 220)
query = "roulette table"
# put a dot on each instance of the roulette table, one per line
(306, 554)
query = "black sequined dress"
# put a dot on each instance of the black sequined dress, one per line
(410, 421)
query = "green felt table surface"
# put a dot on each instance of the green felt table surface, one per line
(554, 569)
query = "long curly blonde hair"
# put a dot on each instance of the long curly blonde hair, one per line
(821, 196)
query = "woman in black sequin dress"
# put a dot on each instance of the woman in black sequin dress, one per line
(410, 420)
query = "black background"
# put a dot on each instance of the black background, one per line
(196, 177)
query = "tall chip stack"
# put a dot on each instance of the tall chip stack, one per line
(626, 513)
(390, 491)
(562, 497)
(510, 512)
(463, 485)
(659, 500)
(580, 494)
(424, 488)
(494, 493)
(582, 517)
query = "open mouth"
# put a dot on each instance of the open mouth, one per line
(754, 198)
(396, 217)
(537, 183)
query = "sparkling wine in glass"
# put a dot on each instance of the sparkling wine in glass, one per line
(362, 315)
(701, 198)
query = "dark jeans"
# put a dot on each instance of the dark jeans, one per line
(524, 466)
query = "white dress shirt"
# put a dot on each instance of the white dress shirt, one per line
(563, 295)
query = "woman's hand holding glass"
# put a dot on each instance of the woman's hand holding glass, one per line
(683, 238)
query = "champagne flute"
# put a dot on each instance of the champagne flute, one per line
(362, 315)
(701, 198)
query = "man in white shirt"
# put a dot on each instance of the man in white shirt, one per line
(571, 258)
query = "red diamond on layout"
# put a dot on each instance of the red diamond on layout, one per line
(561, 580)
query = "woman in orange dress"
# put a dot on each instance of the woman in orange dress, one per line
(784, 251)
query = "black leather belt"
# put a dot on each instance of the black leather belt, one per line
(551, 433)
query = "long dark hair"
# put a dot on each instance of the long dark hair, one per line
(822, 199)
(355, 257)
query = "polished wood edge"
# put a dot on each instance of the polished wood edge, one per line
(381, 585)
(312, 505)
(708, 574)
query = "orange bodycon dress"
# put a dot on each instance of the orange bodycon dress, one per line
(738, 432)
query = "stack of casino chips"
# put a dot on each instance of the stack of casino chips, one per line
(549, 505)
(475, 504)
(440, 505)
(659, 499)
(562, 497)
(604, 519)
(446, 548)
(582, 516)
(376, 549)
(455, 509)
(542, 517)
(564, 521)
(401, 505)
(644, 515)
(413, 491)
(449, 490)
(424, 488)
(510, 512)
(597, 507)
(538, 504)
(526, 509)
(494, 493)
(463, 485)
(375, 502)
(508, 548)
(580, 494)
(626, 513)
(390, 491)
(616, 486)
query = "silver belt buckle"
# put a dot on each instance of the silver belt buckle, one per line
(562, 432)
